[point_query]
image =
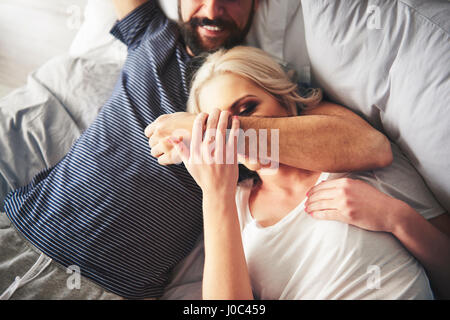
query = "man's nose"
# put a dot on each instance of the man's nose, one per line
(212, 9)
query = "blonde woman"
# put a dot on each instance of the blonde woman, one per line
(297, 234)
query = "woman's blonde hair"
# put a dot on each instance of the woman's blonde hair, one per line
(257, 66)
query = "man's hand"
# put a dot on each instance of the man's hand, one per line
(178, 125)
(353, 202)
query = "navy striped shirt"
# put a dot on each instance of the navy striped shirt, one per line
(108, 207)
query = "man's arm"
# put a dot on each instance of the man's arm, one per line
(327, 138)
(125, 7)
(428, 242)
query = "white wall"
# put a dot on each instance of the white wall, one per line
(31, 32)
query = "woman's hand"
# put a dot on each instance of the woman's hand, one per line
(354, 202)
(212, 160)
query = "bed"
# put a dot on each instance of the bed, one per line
(388, 62)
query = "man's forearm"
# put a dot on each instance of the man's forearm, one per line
(327, 138)
(125, 7)
(325, 142)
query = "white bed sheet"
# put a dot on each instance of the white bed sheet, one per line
(40, 121)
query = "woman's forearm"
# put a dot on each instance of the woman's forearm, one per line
(225, 275)
(430, 246)
(333, 140)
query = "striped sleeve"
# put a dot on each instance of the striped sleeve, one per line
(132, 28)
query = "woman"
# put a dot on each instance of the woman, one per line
(260, 240)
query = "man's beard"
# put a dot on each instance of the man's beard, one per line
(193, 41)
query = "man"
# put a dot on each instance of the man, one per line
(209, 25)
(108, 207)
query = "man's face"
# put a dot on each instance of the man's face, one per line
(207, 25)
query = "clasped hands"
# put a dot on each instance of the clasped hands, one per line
(209, 156)
(159, 132)
(179, 126)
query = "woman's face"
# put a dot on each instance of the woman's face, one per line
(242, 97)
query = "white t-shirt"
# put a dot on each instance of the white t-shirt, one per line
(303, 258)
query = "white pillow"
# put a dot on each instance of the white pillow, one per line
(390, 63)
(93, 38)
(170, 8)
(278, 29)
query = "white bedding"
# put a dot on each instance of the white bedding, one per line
(32, 32)
(40, 121)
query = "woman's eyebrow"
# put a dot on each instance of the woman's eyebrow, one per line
(236, 103)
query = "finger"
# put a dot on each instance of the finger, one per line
(156, 152)
(233, 140)
(213, 119)
(328, 184)
(221, 137)
(181, 149)
(164, 160)
(183, 134)
(208, 145)
(170, 158)
(149, 130)
(327, 215)
(321, 205)
(153, 141)
(161, 148)
(197, 136)
(323, 194)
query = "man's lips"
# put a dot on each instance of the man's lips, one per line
(211, 31)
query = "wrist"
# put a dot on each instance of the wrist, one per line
(400, 215)
(218, 209)
(217, 197)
